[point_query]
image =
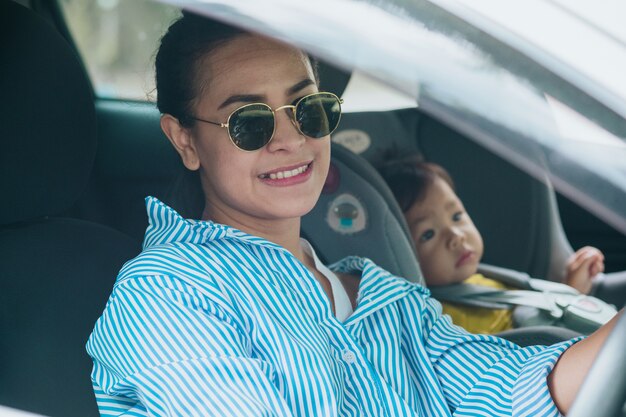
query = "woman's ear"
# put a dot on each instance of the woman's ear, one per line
(182, 140)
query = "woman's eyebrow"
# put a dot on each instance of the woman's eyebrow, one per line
(241, 98)
(301, 85)
(257, 98)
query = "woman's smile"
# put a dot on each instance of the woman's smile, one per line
(296, 171)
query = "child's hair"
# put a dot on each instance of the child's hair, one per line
(409, 178)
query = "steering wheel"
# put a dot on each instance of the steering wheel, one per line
(603, 391)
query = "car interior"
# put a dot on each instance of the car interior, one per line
(76, 170)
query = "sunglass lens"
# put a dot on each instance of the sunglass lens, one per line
(318, 115)
(251, 127)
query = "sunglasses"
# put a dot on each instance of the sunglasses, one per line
(252, 126)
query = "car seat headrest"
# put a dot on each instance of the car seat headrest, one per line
(47, 116)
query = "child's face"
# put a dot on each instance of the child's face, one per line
(448, 244)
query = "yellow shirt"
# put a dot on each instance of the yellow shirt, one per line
(479, 319)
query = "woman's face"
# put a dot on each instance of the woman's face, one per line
(449, 247)
(283, 179)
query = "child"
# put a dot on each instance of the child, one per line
(449, 247)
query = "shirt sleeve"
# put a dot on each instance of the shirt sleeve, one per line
(488, 375)
(162, 349)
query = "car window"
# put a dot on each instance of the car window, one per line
(117, 41)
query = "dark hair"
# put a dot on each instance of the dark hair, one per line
(182, 48)
(409, 178)
(187, 41)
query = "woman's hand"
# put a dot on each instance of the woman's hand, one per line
(582, 267)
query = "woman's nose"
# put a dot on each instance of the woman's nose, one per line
(286, 134)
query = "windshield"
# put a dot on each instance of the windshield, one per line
(538, 111)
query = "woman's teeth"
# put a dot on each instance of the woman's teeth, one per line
(286, 174)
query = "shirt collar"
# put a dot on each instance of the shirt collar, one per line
(165, 226)
(378, 287)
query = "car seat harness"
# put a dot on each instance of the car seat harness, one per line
(536, 301)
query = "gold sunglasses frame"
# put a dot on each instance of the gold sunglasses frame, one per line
(293, 108)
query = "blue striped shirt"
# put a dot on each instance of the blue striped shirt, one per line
(211, 321)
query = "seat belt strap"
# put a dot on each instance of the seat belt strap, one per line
(467, 294)
(523, 281)
(481, 296)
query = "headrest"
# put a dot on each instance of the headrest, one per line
(47, 118)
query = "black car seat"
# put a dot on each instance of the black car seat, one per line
(55, 272)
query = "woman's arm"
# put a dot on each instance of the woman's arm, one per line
(570, 371)
(487, 375)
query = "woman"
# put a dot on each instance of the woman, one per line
(235, 315)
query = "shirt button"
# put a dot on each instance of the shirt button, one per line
(348, 356)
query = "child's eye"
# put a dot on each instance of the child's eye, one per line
(427, 235)
(457, 216)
